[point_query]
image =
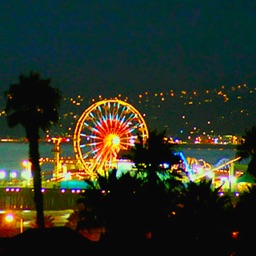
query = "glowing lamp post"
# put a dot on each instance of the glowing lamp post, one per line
(10, 218)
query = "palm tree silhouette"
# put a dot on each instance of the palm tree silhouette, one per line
(247, 149)
(155, 156)
(154, 159)
(203, 217)
(34, 104)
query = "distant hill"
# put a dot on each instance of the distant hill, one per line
(182, 113)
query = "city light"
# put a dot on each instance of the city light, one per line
(11, 218)
(2, 174)
(26, 174)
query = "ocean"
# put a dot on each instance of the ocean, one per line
(12, 154)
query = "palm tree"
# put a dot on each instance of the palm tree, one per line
(113, 201)
(154, 159)
(247, 149)
(202, 217)
(33, 103)
(245, 212)
(155, 156)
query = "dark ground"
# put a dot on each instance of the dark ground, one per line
(65, 241)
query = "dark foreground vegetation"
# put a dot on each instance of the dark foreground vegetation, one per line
(194, 221)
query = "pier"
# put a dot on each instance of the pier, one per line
(23, 198)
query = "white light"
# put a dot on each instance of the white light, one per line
(2, 174)
(13, 175)
(26, 175)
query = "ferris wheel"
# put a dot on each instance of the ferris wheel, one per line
(103, 130)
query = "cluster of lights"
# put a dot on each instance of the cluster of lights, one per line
(73, 191)
(4, 174)
(78, 191)
(12, 174)
(236, 194)
(12, 189)
(62, 190)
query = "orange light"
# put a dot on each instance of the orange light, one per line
(10, 218)
(235, 234)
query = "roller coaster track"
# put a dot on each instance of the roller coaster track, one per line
(212, 170)
(225, 164)
(208, 169)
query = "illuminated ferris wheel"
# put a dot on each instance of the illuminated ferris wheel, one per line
(103, 130)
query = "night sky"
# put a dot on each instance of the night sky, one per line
(110, 47)
(128, 46)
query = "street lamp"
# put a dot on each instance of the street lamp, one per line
(10, 218)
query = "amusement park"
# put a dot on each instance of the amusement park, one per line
(107, 129)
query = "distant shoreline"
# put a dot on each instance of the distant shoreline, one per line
(205, 146)
(185, 145)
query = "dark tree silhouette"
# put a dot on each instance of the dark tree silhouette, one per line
(137, 203)
(154, 160)
(202, 218)
(247, 149)
(34, 104)
(154, 156)
(245, 212)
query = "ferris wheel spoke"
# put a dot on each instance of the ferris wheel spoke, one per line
(89, 153)
(130, 120)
